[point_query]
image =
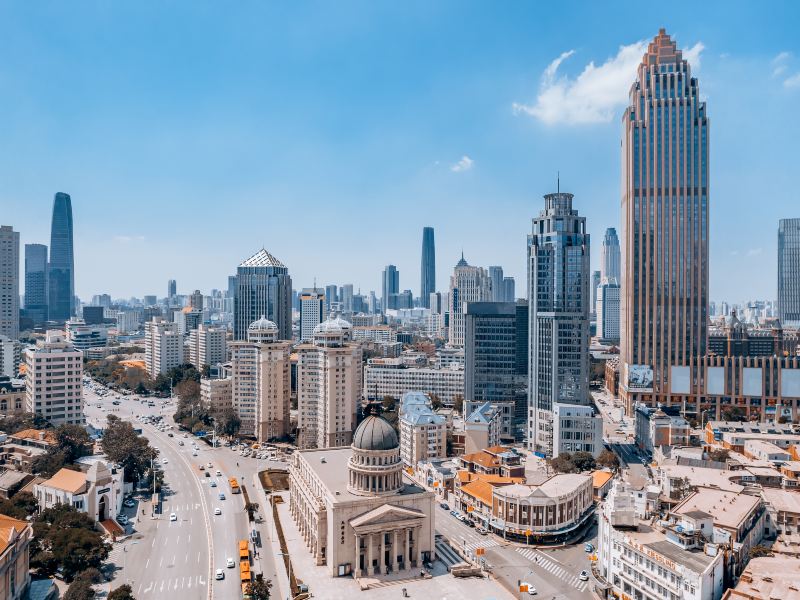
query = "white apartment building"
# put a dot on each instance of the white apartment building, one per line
(467, 284)
(260, 381)
(53, 374)
(375, 333)
(217, 393)
(328, 386)
(648, 559)
(607, 310)
(163, 346)
(128, 321)
(83, 336)
(423, 433)
(207, 346)
(312, 312)
(394, 377)
(10, 356)
(577, 428)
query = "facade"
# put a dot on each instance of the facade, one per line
(496, 280)
(607, 310)
(217, 393)
(163, 346)
(577, 428)
(10, 356)
(12, 396)
(207, 346)
(83, 336)
(393, 377)
(467, 284)
(260, 381)
(595, 285)
(390, 280)
(730, 337)
(482, 427)
(509, 293)
(53, 380)
(61, 284)
(97, 492)
(312, 312)
(128, 321)
(93, 315)
(427, 284)
(660, 426)
(354, 510)
(15, 541)
(423, 433)
(263, 287)
(172, 289)
(196, 300)
(490, 351)
(9, 282)
(558, 297)
(665, 207)
(329, 386)
(610, 257)
(36, 274)
(789, 272)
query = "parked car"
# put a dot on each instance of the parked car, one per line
(588, 548)
(173, 517)
(122, 519)
(445, 505)
(129, 503)
(481, 530)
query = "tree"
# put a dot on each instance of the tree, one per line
(759, 551)
(67, 539)
(16, 423)
(188, 390)
(206, 371)
(122, 445)
(608, 459)
(80, 589)
(719, 454)
(20, 506)
(73, 441)
(123, 592)
(229, 421)
(260, 588)
(733, 413)
(583, 461)
(388, 403)
(49, 463)
(436, 402)
(458, 404)
(562, 463)
(251, 508)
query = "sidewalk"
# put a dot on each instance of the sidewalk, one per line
(270, 543)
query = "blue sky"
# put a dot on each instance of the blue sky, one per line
(189, 135)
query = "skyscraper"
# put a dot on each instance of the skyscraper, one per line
(312, 311)
(62, 261)
(231, 292)
(391, 287)
(172, 289)
(496, 277)
(664, 224)
(789, 272)
(36, 282)
(595, 284)
(347, 298)
(9, 282)
(427, 267)
(558, 300)
(467, 284)
(263, 289)
(331, 297)
(608, 310)
(610, 257)
(509, 291)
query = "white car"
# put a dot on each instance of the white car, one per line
(173, 517)
(584, 576)
(231, 563)
(530, 588)
(165, 461)
(220, 574)
(217, 511)
(219, 473)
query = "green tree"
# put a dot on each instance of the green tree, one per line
(73, 441)
(49, 463)
(608, 459)
(80, 589)
(388, 403)
(16, 423)
(205, 371)
(67, 539)
(229, 421)
(759, 551)
(20, 506)
(121, 444)
(733, 413)
(251, 508)
(188, 390)
(436, 402)
(719, 454)
(458, 404)
(259, 589)
(123, 592)
(562, 463)
(583, 461)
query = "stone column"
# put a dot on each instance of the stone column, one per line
(382, 557)
(369, 554)
(406, 548)
(418, 553)
(356, 571)
(393, 554)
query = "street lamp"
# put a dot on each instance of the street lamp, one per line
(290, 573)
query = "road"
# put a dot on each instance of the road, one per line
(180, 557)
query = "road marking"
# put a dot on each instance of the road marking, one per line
(147, 564)
(187, 558)
(173, 559)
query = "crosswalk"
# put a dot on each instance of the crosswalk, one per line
(163, 586)
(543, 562)
(487, 542)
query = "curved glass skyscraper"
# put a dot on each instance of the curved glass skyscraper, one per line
(427, 267)
(62, 261)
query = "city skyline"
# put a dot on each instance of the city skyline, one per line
(467, 143)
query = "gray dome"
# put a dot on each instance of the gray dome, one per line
(263, 324)
(375, 433)
(333, 324)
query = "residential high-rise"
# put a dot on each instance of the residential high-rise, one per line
(595, 285)
(312, 311)
(53, 380)
(207, 346)
(789, 272)
(10, 355)
(608, 310)
(509, 291)
(559, 298)
(390, 288)
(328, 386)
(467, 284)
(610, 256)
(331, 297)
(36, 282)
(665, 207)
(496, 278)
(427, 267)
(9, 282)
(61, 285)
(172, 289)
(163, 346)
(263, 287)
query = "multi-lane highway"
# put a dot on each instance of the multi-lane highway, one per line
(181, 556)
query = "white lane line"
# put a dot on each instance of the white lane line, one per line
(161, 562)
(173, 559)
(147, 564)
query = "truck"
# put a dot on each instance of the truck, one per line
(235, 489)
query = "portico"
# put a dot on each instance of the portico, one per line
(387, 540)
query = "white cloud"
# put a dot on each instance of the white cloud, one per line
(597, 94)
(793, 81)
(127, 239)
(779, 63)
(464, 164)
(754, 251)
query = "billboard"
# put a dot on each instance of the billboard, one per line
(715, 381)
(639, 378)
(752, 381)
(790, 383)
(680, 380)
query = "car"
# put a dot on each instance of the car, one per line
(454, 513)
(194, 453)
(213, 483)
(170, 434)
(583, 576)
(122, 519)
(221, 496)
(230, 563)
(173, 517)
(202, 468)
(164, 461)
(210, 466)
(129, 503)
(180, 442)
(524, 585)
(116, 403)
(220, 574)
(588, 548)
(481, 530)
(445, 505)
(469, 522)
(208, 474)
(219, 473)
(217, 511)
(185, 435)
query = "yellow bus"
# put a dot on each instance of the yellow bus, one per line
(235, 489)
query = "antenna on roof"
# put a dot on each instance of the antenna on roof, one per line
(558, 182)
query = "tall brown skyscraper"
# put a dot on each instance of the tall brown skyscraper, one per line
(665, 226)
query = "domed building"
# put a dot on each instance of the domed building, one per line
(355, 511)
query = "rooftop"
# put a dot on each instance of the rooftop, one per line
(9, 530)
(782, 500)
(600, 478)
(67, 480)
(262, 258)
(769, 577)
(730, 510)
(696, 560)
